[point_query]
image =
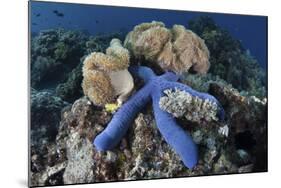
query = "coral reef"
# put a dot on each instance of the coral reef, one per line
(144, 154)
(247, 121)
(71, 89)
(55, 52)
(61, 53)
(180, 141)
(64, 123)
(105, 76)
(175, 49)
(229, 60)
(45, 116)
(99, 43)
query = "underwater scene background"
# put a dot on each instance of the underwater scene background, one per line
(74, 96)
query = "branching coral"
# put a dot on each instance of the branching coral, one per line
(106, 75)
(175, 49)
(174, 135)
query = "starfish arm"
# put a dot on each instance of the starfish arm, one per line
(142, 72)
(170, 76)
(204, 96)
(121, 120)
(174, 135)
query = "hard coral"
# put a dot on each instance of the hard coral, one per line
(175, 49)
(106, 75)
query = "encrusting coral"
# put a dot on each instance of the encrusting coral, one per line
(105, 76)
(174, 135)
(176, 49)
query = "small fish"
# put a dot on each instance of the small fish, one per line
(33, 23)
(97, 21)
(60, 14)
(37, 15)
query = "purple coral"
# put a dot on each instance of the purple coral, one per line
(174, 135)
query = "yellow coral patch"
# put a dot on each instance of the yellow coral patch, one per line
(111, 107)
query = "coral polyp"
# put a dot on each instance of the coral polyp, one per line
(174, 135)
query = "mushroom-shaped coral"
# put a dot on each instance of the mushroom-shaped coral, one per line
(176, 49)
(174, 135)
(106, 76)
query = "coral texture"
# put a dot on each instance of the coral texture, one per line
(45, 118)
(45, 113)
(71, 89)
(176, 49)
(174, 135)
(180, 103)
(105, 76)
(55, 52)
(80, 161)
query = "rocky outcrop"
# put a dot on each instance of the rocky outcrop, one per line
(229, 147)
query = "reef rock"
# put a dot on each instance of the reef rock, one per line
(235, 146)
(46, 161)
(247, 121)
(80, 162)
(246, 118)
(176, 49)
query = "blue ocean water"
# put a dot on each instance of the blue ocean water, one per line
(250, 30)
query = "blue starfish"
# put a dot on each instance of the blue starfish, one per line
(174, 135)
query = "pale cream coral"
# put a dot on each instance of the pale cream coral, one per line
(176, 49)
(105, 76)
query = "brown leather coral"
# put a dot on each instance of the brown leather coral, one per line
(102, 74)
(176, 49)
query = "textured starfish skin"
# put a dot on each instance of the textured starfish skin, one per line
(173, 134)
